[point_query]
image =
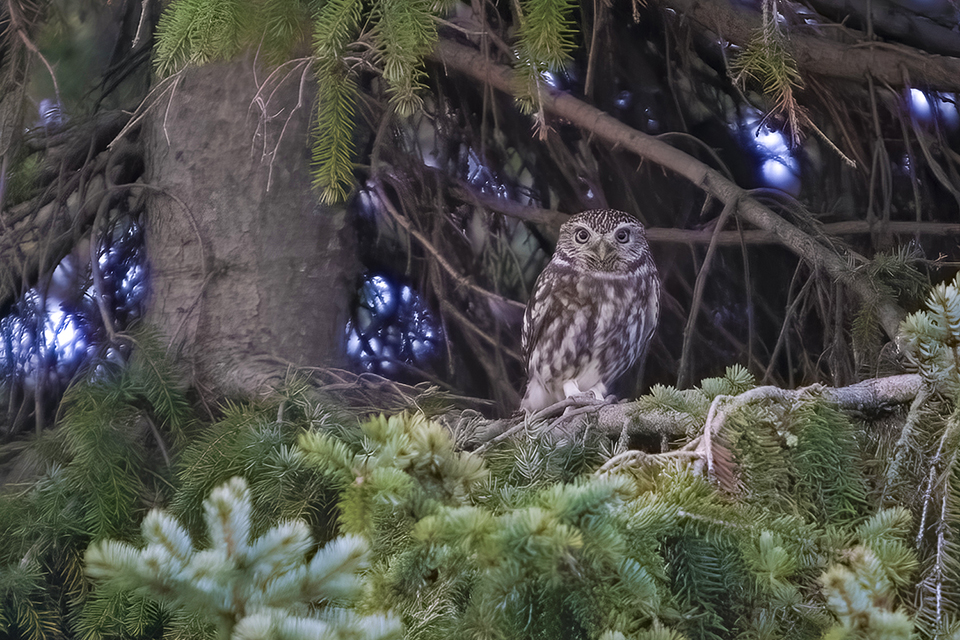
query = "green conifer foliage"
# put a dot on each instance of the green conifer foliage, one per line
(97, 473)
(931, 339)
(248, 588)
(546, 38)
(198, 32)
(455, 562)
(766, 60)
(895, 274)
(691, 405)
(862, 590)
(926, 455)
(765, 466)
(510, 554)
(336, 26)
(389, 37)
(829, 483)
(537, 548)
(258, 441)
(530, 540)
(392, 472)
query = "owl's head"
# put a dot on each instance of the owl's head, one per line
(602, 240)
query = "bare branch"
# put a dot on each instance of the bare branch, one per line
(818, 54)
(607, 128)
(897, 22)
(698, 296)
(458, 278)
(552, 219)
(632, 420)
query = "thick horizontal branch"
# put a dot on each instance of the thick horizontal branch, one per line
(759, 236)
(874, 396)
(817, 54)
(605, 127)
(892, 20)
(537, 215)
(552, 218)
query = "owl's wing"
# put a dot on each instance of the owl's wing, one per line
(539, 308)
(650, 314)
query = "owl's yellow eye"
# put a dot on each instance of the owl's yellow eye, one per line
(581, 236)
(623, 236)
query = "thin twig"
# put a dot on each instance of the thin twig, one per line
(578, 402)
(262, 101)
(140, 24)
(98, 291)
(634, 457)
(748, 292)
(452, 310)
(781, 338)
(16, 21)
(167, 85)
(460, 280)
(684, 367)
(832, 259)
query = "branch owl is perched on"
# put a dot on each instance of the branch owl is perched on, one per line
(593, 308)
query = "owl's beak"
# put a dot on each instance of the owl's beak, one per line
(604, 252)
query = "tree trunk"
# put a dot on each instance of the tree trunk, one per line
(248, 273)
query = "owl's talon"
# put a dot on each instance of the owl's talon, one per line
(583, 398)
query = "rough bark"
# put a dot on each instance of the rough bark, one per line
(246, 279)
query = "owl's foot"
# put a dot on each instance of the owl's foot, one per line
(571, 388)
(587, 399)
(579, 402)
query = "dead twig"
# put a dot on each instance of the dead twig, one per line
(458, 278)
(698, 286)
(607, 128)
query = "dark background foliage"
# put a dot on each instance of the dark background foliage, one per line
(455, 192)
(456, 207)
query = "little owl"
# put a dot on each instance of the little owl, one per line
(592, 311)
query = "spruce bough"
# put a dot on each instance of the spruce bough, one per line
(248, 588)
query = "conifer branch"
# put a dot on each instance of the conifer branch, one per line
(862, 591)
(822, 55)
(247, 587)
(607, 128)
(669, 414)
(545, 42)
(766, 60)
(404, 34)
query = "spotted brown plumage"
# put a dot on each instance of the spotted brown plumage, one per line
(593, 309)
